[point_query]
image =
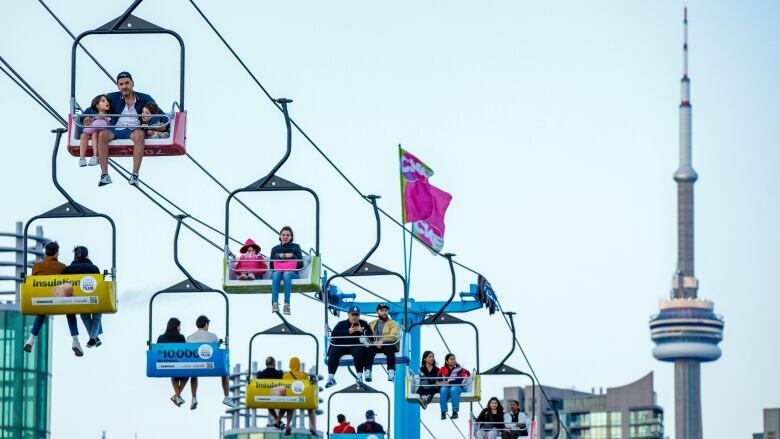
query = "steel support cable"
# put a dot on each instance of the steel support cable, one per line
(427, 429)
(29, 93)
(306, 136)
(533, 372)
(202, 168)
(121, 170)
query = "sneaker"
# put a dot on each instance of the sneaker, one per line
(313, 431)
(82, 162)
(93, 161)
(228, 401)
(98, 342)
(104, 180)
(454, 414)
(179, 400)
(428, 399)
(443, 416)
(133, 180)
(286, 309)
(275, 307)
(27, 347)
(287, 430)
(194, 403)
(175, 400)
(77, 349)
(279, 425)
(421, 401)
(391, 375)
(367, 376)
(91, 343)
(331, 382)
(359, 382)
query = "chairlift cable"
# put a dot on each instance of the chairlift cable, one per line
(309, 139)
(427, 429)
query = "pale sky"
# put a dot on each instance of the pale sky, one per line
(554, 126)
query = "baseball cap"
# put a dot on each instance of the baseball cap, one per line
(382, 305)
(370, 414)
(354, 310)
(123, 75)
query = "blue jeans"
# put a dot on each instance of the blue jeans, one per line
(277, 277)
(450, 393)
(38, 324)
(93, 323)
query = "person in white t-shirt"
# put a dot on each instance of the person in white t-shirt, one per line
(516, 422)
(202, 335)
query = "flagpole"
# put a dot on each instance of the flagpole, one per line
(403, 226)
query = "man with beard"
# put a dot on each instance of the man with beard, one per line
(386, 341)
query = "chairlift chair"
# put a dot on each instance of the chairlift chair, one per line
(176, 119)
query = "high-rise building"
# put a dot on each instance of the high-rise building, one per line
(624, 412)
(771, 425)
(25, 379)
(686, 331)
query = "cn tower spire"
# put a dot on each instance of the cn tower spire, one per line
(686, 331)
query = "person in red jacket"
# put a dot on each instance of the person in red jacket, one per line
(452, 386)
(343, 426)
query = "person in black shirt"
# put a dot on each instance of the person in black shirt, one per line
(272, 373)
(82, 265)
(349, 336)
(370, 426)
(490, 420)
(428, 386)
(173, 334)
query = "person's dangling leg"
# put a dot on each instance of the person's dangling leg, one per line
(444, 396)
(276, 279)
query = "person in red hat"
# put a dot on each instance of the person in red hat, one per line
(250, 265)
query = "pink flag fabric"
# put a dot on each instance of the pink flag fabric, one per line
(423, 204)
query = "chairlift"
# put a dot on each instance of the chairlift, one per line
(176, 119)
(361, 269)
(71, 293)
(363, 391)
(310, 275)
(284, 393)
(187, 359)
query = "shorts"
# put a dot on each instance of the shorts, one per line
(121, 134)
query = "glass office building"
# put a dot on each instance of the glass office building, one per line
(625, 412)
(25, 379)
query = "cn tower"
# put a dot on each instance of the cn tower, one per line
(686, 331)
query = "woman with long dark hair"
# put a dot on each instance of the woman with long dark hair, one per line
(428, 381)
(286, 260)
(173, 334)
(489, 423)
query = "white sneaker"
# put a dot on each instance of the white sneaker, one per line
(93, 161)
(275, 307)
(82, 162)
(77, 348)
(391, 375)
(286, 309)
(180, 400)
(104, 180)
(367, 376)
(194, 403)
(133, 180)
(228, 401)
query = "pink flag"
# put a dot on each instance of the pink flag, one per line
(423, 204)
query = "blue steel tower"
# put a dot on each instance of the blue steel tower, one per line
(686, 331)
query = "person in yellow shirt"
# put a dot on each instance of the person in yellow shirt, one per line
(295, 373)
(386, 341)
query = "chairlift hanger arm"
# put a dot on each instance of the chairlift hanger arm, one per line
(71, 209)
(286, 328)
(362, 390)
(189, 285)
(124, 24)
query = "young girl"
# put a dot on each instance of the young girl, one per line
(250, 265)
(150, 118)
(94, 120)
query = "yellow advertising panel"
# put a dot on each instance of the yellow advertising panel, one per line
(67, 294)
(282, 394)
